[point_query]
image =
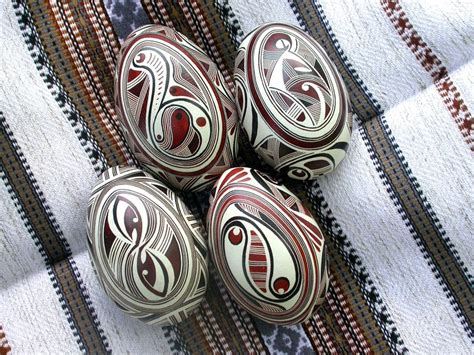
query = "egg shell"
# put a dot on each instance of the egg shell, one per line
(176, 110)
(267, 248)
(146, 246)
(292, 102)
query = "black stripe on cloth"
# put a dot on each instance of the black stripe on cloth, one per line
(175, 340)
(393, 169)
(41, 60)
(45, 231)
(230, 21)
(347, 267)
(357, 269)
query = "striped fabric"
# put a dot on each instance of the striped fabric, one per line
(397, 214)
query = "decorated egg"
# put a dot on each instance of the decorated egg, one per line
(176, 110)
(267, 248)
(291, 101)
(146, 246)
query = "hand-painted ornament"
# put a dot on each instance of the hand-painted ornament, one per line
(146, 247)
(292, 102)
(178, 115)
(266, 246)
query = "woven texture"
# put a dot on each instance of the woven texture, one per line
(397, 214)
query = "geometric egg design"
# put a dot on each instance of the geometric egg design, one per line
(176, 110)
(292, 102)
(267, 248)
(146, 247)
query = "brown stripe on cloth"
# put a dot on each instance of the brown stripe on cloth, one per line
(51, 242)
(432, 64)
(78, 32)
(80, 39)
(237, 337)
(168, 13)
(215, 30)
(210, 326)
(5, 348)
(236, 318)
(346, 319)
(331, 327)
(83, 70)
(321, 336)
(157, 13)
(404, 190)
(193, 337)
(324, 333)
(214, 47)
(103, 29)
(45, 69)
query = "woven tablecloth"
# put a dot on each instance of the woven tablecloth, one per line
(397, 214)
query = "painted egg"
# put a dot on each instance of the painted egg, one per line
(146, 246)
(177, 113)
(267, 248)
(292, 102)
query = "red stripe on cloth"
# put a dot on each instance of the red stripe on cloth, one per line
(345, 319)
(89, 72)
(211, 48)
(244, 325)
(432, 64)
(320, 335)
(215, 338)
(152, 13)
(104, 32)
